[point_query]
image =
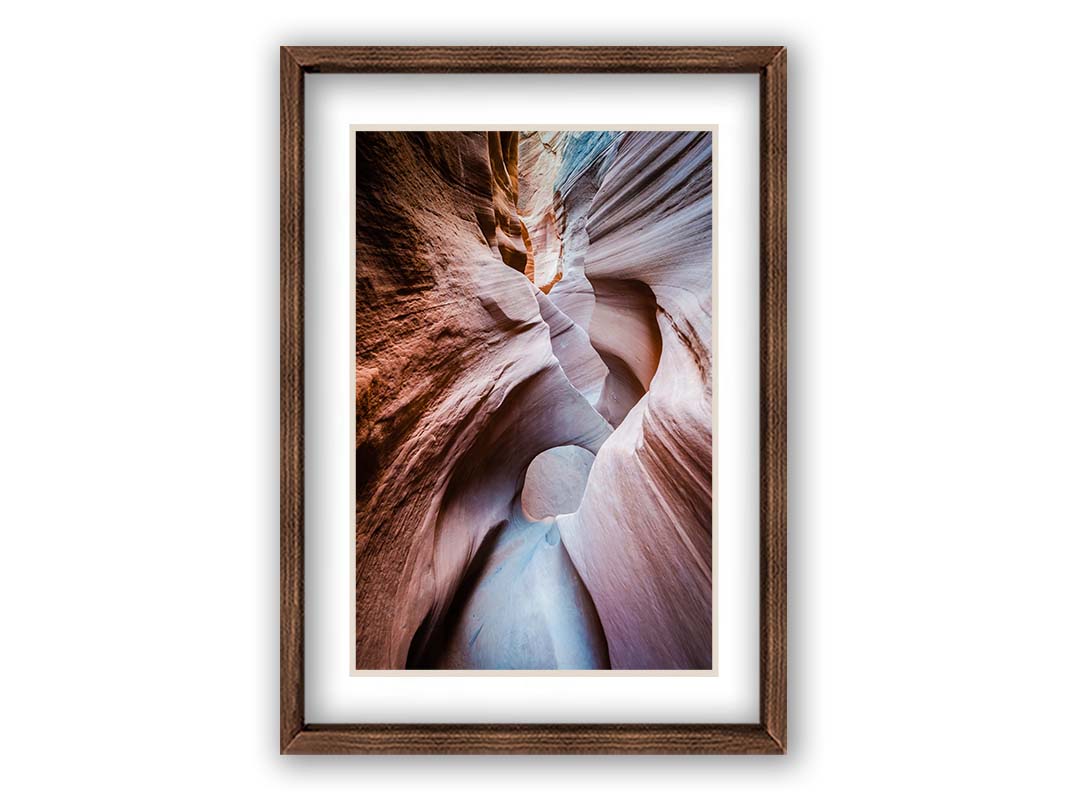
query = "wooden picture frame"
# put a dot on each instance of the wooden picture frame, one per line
(766, 736)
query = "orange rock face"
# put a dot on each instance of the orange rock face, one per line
(533, 400)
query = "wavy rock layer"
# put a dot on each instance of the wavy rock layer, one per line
(533, 400)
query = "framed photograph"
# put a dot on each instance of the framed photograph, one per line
(533, 400)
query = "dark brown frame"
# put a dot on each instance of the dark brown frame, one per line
(766, 736)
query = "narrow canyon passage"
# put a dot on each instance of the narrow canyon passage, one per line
(521, 603)
(533, 400)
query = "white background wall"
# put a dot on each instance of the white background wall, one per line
(138, 325)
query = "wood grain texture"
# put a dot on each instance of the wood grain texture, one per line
(533, 739)
(292, 399)
(769, 735)
(533, 59)
(773, 403)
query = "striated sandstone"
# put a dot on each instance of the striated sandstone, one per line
(533, 400)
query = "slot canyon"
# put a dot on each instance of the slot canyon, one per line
(533, 389)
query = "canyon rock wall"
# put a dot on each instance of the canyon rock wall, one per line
(648, 563)
(533, 400)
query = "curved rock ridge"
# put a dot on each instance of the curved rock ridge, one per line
(517, 335)
(582, 364)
